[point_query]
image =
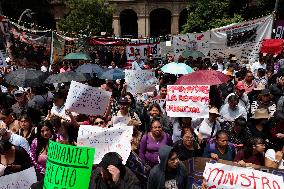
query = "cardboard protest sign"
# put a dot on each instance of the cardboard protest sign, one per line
(231, 177)
(188, 101)
(241, 39)
(140, 81)
(68, 166)
(115, 139)
(84, 99)
(20, 180)
(132, 50)
(191, 42)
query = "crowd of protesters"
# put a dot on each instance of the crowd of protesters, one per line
(245, 123)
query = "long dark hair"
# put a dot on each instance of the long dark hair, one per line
(133, 102)
(155, 105)
(42, 142)
(248, 148)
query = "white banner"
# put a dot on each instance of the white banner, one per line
(104, 140)
(188, 101)
(140, 81)
(231, 177)
(191, 42)
(242, 39)
(20, 180)
(132, 50)
(84, 99)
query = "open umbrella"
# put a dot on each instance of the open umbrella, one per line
(26, 78)
(194, 54)
(67, 77)
(89, 68)
(177, 68)
(203, 77)
(112, 74)
(77, 56)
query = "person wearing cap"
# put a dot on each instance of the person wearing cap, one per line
(206, 128)
(232, 110)
(240, 92)
(277, 89)
(258, 126)
(264, 101)
(21, 104)
(111, 173)
(255, 66)
(124, 111)
(15, 139)
(169, 173)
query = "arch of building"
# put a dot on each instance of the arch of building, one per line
(128, 23)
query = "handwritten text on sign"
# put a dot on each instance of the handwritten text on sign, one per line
(188, 101)
(143, 50)
(68, 166)
(85, 99)
(115, 139)
(231, 177)
(140, 81)
(20, 180)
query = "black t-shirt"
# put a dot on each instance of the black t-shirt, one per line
(182, 152)
(170, 180)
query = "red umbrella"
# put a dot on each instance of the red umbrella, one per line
(203, 77)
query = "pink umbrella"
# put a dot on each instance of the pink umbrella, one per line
(203, 77)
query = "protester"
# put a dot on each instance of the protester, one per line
(253, 153)
(220, 148)
(258, 127)
(14, 158)
(111, 173)
(178, 125)
(152, 141)
(9, 121)
(169, 173)
(26, 128)
(138, 64)
(14, 139)
(240, 93)
(232, 110)
(187, 147)
(248, 82)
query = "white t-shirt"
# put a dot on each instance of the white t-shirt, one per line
(256, 66)
(204, 127)
(270, 154)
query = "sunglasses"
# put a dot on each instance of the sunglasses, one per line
(99, 123)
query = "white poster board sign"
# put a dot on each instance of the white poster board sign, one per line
(191, 42)
(20, 180)
(231, 177)
(241, 39)
(140, 81)
(188, 101)
(84, 99)
(143, 50)
(104, 140)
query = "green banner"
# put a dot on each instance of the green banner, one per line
(68, 167)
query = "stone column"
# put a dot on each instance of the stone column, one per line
(143, 26)
(116, 25)
(175, 24)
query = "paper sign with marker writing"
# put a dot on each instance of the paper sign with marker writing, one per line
(140, 81)
(114, 139)
(20, 180)
(68, 166)
(120, 120)
(231, 177)
(84, 99)
(188, 101)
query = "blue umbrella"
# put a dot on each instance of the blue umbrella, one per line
(77, 56)
(89, 68)
(112, 74)
(177, 68)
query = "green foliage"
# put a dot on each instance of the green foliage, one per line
(205, 15)
(87, 16)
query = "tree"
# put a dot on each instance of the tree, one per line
(205, 15)
(87, 17)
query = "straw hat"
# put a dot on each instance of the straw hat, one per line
(214, 110)
(261, 113)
